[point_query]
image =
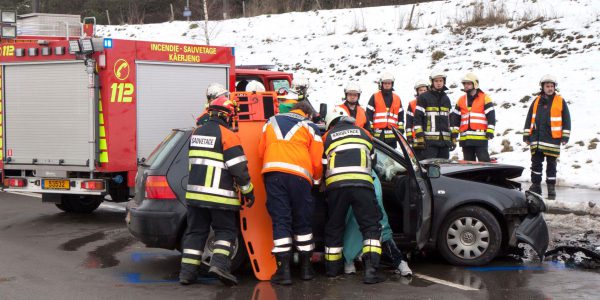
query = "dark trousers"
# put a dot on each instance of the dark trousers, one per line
(537, 160)
(199, 222)
(435, 152)
(365, 208)
(476, 153)
(291, 206)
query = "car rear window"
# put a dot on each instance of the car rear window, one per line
(161, 151)
(280, 83)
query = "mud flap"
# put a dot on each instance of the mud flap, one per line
(534, 231)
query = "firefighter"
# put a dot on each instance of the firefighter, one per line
(352, 93)
(255, 86)
(287, 101)
(300, 86)
(291, 149)
(431, 122)
(217, 164)
(213, 91)
(474, 118)
(547, 126)
(347, 160)
(420, 87)
(385, 111)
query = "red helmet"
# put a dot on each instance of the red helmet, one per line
(222, 104)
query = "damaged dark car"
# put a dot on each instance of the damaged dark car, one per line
(469, 212)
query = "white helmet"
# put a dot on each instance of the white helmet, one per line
(437, 73)
(421, 83)
(255, 86)
(548, 78)
(472, 78)
(336, 113)
(215, 90)
(386, 76)
(352, 87)
(291, 95)
(300, 84)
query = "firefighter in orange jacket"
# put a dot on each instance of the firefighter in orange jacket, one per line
(291, 149)
(217, 163)
(385, 111)
(420, 87)
(352, 93)
(547, 127)
(474, 119)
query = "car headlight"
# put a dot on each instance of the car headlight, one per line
(535, 202)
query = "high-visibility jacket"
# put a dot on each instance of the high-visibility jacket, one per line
(432, 118)
(358, 114)
(217, 163)
(384, 113)
(348, 156)
(291, 143)
(548, 123)
(410, 119)
(473, 121)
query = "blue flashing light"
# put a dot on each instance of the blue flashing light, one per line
(108, 43)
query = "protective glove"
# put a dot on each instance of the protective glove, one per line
(489, 135)
(248, 199)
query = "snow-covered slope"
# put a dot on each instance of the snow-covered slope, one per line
(332, 47)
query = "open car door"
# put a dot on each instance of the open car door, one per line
(420, 196)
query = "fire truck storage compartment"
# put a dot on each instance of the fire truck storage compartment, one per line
(171, 95)
(47, 114)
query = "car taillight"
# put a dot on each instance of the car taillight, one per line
(95, 185)
(158, 188)
(15, 182)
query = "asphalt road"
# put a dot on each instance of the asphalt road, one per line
(47, 254)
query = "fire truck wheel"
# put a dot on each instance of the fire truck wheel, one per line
(79, 203)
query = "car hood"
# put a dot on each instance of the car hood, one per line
(461, 168)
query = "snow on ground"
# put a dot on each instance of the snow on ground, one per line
(334, 46)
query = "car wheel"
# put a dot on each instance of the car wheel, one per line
(469, 236)
(79, 203)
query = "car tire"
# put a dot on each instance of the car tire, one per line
(469, 244)
(79, 203)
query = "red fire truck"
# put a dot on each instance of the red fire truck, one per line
(78, 113)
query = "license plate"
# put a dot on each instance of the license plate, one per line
(56, 184)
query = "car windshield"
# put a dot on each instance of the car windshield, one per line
(280, 83)
(162, 150)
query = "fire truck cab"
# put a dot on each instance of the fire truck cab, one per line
(78, 113)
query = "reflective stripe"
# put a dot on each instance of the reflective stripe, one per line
(551, 178)
(190, 261)
(275, 126)
(491, 127)
(207, 154)
(366, 249)
(549, 145)
(192, 252)
(303, 237)
(363, 159)
(333, 257)
(288, 166)
(207, 162)
(436, 113)
(477, 121)
(245, 189)
(536, 173)
(489, 109)
(324, 161)
(350, 147)
(317, 182)
(221, 251)
(473, 132)
(306, 247)
(333, 250)
(556, 119)
(316, 137)
(223, 243)
(348, 141)
(372, 242)
(420, 108)
(381, 115)
(280, 249)
(566, 131)
(211, 198)
(339, 170)
(210, 190)
(369, 107)
(282, 241)
(475, 114)
(556, 128)
(235, 161)
(216, 179)
(350, 176)
(209, 175)
(437, 133)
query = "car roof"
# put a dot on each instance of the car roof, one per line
(259, 72)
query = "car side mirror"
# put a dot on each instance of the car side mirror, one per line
(433, 171)
(323, 110)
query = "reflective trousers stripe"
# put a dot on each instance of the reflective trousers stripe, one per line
(366, 249)
(282, 241)
(221, 251)
(333, 257)
(223, 243)
(303, 237)
(306, 248)
(190, 261)
(192, 252)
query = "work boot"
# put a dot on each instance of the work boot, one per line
(283, 275)
(188, 274)
(220, 266)
(371, 263)
(551, 191)
(334, 268)
(403, 269)
(306, 269)
(536, 188)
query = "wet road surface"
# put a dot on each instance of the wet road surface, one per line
(47, 254)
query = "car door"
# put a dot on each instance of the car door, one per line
(420, 194)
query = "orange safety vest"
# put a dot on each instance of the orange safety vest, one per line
(555, 116)
(384, 117)
(361, 116)
(413, 106)
(474, 116)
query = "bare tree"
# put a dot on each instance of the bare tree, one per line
(206, 22)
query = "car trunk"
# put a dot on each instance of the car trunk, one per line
(489, 173)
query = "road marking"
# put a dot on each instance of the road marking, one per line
(445, 282)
